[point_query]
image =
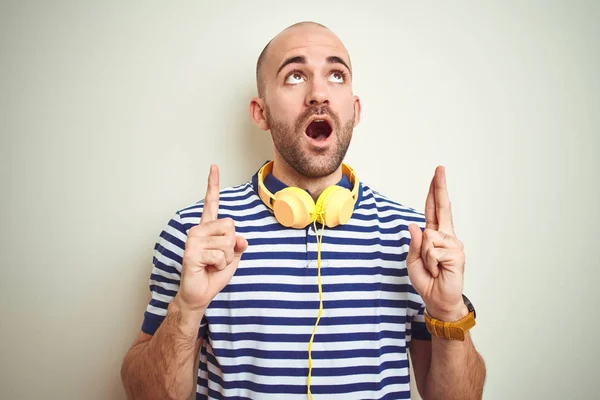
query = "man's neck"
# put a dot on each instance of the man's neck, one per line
(315, 186)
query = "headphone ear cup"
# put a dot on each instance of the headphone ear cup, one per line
(294, 208)
(335, 206)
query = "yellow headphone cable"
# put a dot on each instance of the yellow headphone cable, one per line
(310, 343)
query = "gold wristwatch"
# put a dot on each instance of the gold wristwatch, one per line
(452, 330)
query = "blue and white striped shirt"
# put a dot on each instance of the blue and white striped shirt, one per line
(256, 330)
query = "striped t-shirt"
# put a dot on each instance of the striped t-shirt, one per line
(257, 329)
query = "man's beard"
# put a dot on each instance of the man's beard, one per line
(288, 142)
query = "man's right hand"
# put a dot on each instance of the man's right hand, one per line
(212, 253)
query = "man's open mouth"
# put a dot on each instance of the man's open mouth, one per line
(319, 129)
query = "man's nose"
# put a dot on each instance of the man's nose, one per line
(318, 93)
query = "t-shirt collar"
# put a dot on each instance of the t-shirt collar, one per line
(274, 185)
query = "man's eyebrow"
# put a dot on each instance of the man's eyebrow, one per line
(292, 60)
(337, 60)
(302, 60)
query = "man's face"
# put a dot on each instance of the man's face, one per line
(309, 105)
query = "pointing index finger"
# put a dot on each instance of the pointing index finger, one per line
(442, 201)
(431, 221)
(211, 200)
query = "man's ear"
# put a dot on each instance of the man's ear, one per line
(357, 110)
(257, 113)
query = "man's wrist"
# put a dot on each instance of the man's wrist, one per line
(187, 320)
(449, 316)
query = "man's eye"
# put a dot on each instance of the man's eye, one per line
(337, 77)
(294, 78)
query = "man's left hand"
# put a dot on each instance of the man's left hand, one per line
(436, 259)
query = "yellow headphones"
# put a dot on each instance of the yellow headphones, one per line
(294, 208)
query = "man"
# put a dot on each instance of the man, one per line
(280, 312)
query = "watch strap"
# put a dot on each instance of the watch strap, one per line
(450, 330)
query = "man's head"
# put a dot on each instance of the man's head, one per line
(305, 98)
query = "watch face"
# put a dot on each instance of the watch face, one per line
(469, 305)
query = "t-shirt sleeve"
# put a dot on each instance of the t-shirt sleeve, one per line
(415, 321)
(166, 275)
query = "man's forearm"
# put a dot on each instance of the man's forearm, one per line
(163, 367)
(456, 371)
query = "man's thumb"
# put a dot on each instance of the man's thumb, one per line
(241, 244)
(416, 240)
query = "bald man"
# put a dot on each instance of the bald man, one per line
(304, 282)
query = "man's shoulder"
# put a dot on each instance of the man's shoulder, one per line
(239, 195)
(386, 207)
(234, 201)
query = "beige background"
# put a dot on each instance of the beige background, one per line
(111, 112)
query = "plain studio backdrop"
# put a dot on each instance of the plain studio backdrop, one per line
(112, 112)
